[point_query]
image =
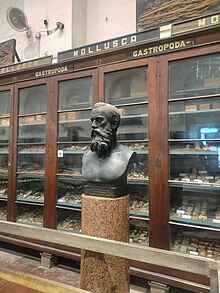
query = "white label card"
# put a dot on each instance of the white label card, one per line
(186, 217)
(60, 153)
(193, 252)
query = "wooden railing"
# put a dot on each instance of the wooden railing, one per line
(184, 262)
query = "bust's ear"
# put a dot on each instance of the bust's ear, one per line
(115, 124)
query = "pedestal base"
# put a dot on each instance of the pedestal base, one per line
(106, 218)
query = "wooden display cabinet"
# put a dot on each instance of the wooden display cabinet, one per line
(169, 104)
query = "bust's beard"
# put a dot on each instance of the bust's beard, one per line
(101, 140)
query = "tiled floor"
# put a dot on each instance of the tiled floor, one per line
(32, 266)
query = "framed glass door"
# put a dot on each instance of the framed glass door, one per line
(127, 89)
(5, 138)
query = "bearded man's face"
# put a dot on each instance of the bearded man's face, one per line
(101, 135)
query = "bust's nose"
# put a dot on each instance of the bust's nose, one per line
(94, 124)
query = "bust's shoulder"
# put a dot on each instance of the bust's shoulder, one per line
(124, 150)
(89, 154)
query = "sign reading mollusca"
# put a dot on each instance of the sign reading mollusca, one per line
(153, 34)
(109, 44)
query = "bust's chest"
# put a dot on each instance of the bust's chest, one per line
(103, 170)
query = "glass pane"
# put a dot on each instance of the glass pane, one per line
(137, 146)
(3, 162)
(78, 130)
(139, 199)
(68, 220)
(32, 100)
(32, 129)
(195, 241)
(69, 191)
(4, 121)
(195, 162)
(138, 168)
(5, 103)
(30, 161)
(139, 231)
(70, 164)
(74, 147)
(30, 188)
(3, 187)
(3, 209)
(4, 130)
(3, 172)
(32, 215)
(197, 119)
(126, 86)
(134, 123)
(75, 94)
(194, 77)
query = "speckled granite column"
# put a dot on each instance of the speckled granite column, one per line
(106, 218)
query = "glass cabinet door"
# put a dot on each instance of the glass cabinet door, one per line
(127, 89)
(194, 149)
(31, 154)
(74, 108)
(4, 149)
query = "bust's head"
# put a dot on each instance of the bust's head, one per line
(105, 120)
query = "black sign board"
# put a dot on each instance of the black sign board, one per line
(115, 43)
(160, 49)
(196, 24)
(26, 65)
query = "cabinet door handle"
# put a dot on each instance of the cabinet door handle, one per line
(158, 161)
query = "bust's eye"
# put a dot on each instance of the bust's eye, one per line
(99, 119)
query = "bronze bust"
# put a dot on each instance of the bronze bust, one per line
(107, 160)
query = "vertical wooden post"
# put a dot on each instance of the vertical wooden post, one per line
(214, 277)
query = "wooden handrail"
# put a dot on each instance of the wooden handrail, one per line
(165, 258)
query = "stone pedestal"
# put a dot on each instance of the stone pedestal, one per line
(106, 218)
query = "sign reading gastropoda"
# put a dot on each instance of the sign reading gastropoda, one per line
(53, 71)
(160, 49)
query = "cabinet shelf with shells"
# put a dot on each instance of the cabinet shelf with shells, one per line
(29, 214)
(68, 220)
(202, 243)
(30, 189)
(31, 162)
(138, 169)
(139, 200)
(193, 206)
(69, 192)
(70, 163)
(138, 231)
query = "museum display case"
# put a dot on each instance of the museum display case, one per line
(169, 103)
(194, 150)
